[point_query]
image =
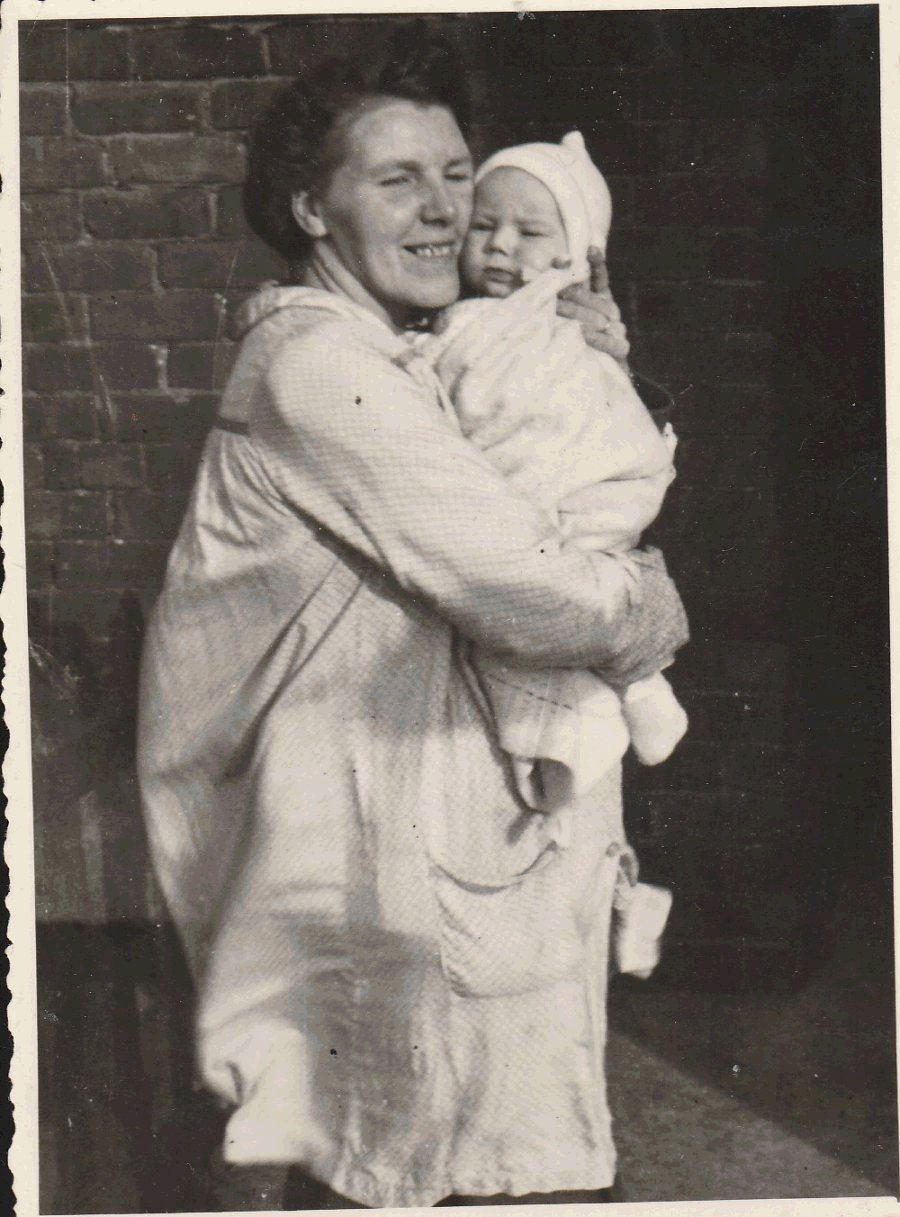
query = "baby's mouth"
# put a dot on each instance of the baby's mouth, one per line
(494, 274)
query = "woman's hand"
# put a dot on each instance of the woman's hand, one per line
(592, 305)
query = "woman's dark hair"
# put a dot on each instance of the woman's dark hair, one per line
(293, 145)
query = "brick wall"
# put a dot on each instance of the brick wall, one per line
(134, 247)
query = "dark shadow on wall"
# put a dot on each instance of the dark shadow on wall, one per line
(819, 1058)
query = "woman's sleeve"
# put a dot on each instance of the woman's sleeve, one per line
(353, 441)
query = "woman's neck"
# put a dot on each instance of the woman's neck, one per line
(325, 270)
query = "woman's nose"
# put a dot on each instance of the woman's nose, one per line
(438, 206)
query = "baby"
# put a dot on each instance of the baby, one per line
(563, 422)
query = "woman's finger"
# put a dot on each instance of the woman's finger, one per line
(630, 865)
(585, 304)
(599, 277)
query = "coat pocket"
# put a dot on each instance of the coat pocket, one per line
(521, 934)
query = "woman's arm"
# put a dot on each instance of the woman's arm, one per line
(352, 440)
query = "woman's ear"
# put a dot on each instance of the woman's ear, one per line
(306, 213)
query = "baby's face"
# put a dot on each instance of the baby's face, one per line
(516, 226)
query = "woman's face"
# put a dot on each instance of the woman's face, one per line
(396, 209)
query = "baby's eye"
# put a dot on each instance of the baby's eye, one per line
(397, 179)
(459, 175)
(533, 232)
(481, 225)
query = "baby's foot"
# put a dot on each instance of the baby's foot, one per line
(655, 718)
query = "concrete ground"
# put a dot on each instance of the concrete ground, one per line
(754, 1097)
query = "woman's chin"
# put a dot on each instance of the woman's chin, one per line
(436, 292)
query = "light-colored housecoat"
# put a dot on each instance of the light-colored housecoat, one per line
(401, 979)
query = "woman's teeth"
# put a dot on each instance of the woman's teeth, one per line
(445, 250)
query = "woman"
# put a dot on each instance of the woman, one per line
(401, 978)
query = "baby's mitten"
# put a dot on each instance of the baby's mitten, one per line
(656, 719)
(641, 915)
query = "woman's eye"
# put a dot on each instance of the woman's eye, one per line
(532, 232)
(480, 225)
(398, 179)
(462, 176)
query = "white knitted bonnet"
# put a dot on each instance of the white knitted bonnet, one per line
(577, 185)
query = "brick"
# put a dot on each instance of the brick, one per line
(38, 564)
(51, 161)
(171, 468)
(33, 417)
(704, 967)
(608, 37)
(740, 255)
(769, 916)
(137, 563)
(81, 564)
(628, 148)
(51, 368)
(727, 820)
(655, 90)
(737, 473)
(307, 40)
(747, 716)
(733, 145)
(161, 419)
(43, 109)
(50, 514)
(196, 51)
(61, 417)
(745, 90)
(743, 359)
(111, 466)
(506, 46)
(560, 95)
(700, 199)
(86, 268)
(127, 365)
(218, 264)
(754, 614)
(722, 666)
(230, 220)
(148, 517)
(660, 253)
(62, 469)
(177, 158)
(174, 315)
(33, 468)
(146, 213)
(741, 409)
(697, 307)
(50, 214)
(622, 191)
(236, 104)
(88, 609)
(53, 319)
(200, 365)
(110, 109)
(51, 51)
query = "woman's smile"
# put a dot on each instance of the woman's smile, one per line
(433, 250)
